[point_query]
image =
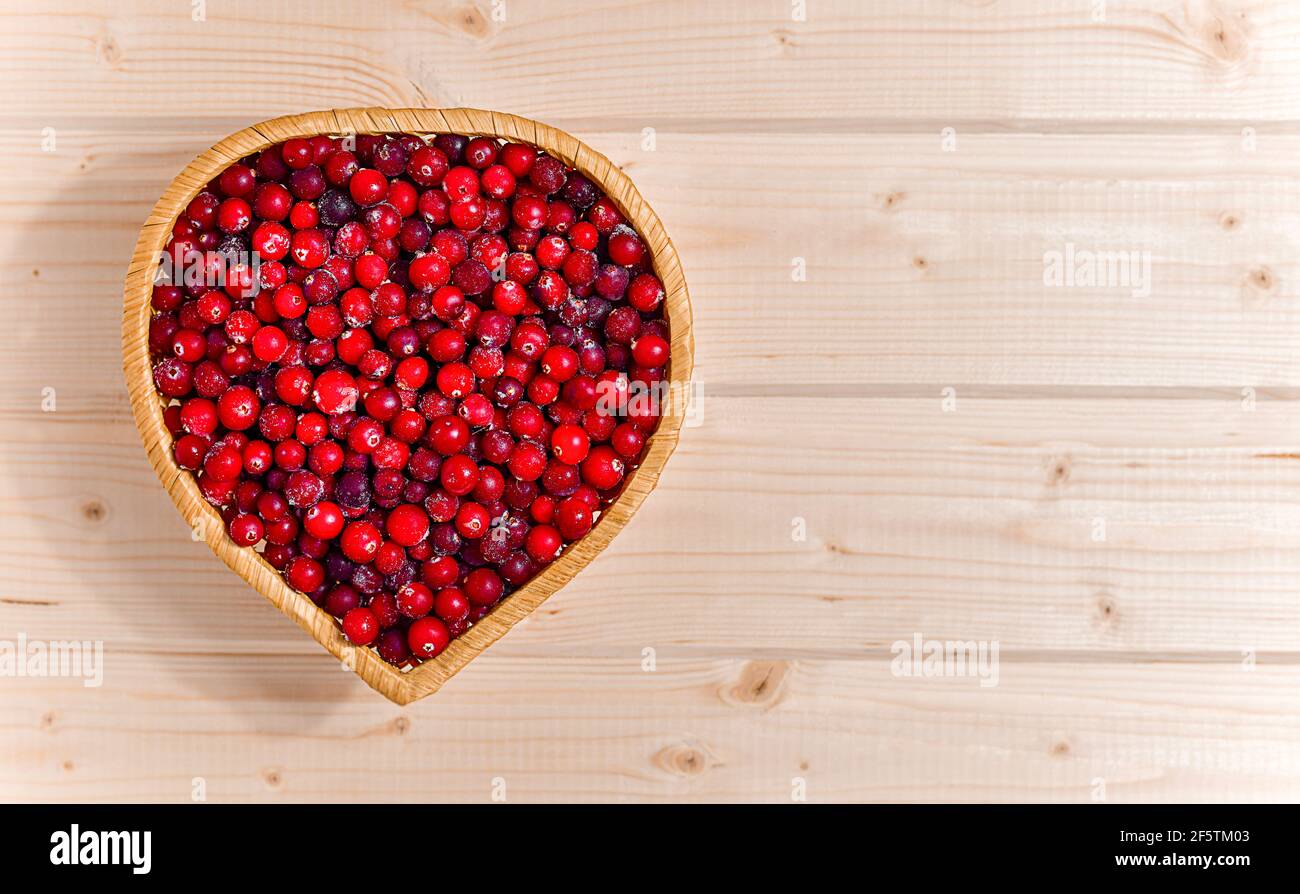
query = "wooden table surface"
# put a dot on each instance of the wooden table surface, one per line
(1099, 480)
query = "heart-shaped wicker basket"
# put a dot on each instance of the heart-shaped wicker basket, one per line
(399, 686)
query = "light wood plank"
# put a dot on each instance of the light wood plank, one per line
(932, 63)
(288, 729)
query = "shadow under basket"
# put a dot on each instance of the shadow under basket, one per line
(401, 686)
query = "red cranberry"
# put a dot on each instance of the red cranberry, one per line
(408, 525)
(427, 637)
(543, 543)
(451, 604)
(645, 293)
(360, 541)
(456, 312)
(415, 600)
(361, 626)
(304, 574)
(483, 586)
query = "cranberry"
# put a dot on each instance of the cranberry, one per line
(304, 574)
(543, 543)
(645, 293)
(421, 357)
(360, 541)
(392, 646)
(472, 521)
(335, 392)
(570, 443)
(361, 626)
(451, 604)
(427, 166)
(623, 325)
(427, 637)
(408, 524)
(527, 462)
(368, 187)
(246, 530)
(415, 600)
(650, 351)
(483, 586)
(573, 518)
(459, 474)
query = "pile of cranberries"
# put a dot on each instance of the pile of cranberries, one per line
(401, 368)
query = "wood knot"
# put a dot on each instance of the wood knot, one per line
(686, 759)
(1107, 609)
(1262, 279)
(891, 200)
(920, 263)
(1058, 470)
(272, 777)
(401, 725)
(47, 719)
(1227, 41)
(94, 511)
(67, 766)
(1230, 221)
(760, 684)
(1221, 35)
(1060, 748)
(107, 51)
(471, 21)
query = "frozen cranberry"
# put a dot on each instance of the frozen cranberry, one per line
(360, 541)
(645, 293)
(543, 543)
(408, 524)
(483, 586)
(451, 604)
(415, 600)
(547, 174)
(440, 348)
(368, 187)
(573, 518)
(429, 272)
(361, 626)
(392, 646)
(527, 462)
(427, 165)
(335, 392)
(427, 637)
(458, 474)
(304, 574)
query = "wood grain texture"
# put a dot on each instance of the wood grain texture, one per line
(750, 64)
(1155, 663)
